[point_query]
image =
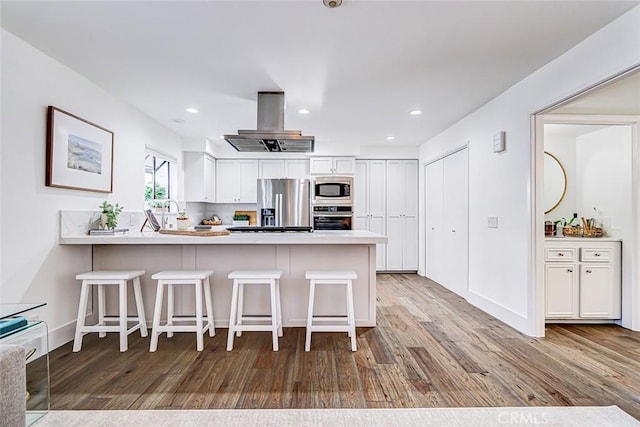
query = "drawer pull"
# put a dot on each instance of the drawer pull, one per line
(588, 271)
(560, 254)
(596, 254)
(569, 270)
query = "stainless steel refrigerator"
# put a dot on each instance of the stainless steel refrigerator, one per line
(284, 203)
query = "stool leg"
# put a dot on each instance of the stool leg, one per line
(82, 313)
(142, 319)
(156, 317)
(207, 300)
(351, 316)
(279, 307)
(312, 291)
(240, 307)
(122, 287)
(101, 309)
(274, 314)
(199, 331)
(169, 308)
(232, 315)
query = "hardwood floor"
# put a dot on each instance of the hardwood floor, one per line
(430, 349)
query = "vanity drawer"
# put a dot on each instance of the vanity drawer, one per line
(560, 254)
(596, 254)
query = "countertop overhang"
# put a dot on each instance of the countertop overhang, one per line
(352, 237)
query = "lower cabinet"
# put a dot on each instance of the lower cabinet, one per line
(582, 279)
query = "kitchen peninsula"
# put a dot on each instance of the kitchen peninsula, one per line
(293, 253)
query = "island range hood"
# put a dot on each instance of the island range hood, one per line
(270, 135)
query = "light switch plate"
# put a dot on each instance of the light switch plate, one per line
(499, 142)
(492, 222)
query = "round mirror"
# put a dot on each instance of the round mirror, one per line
(555, 182)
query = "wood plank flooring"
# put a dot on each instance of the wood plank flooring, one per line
(430, 349)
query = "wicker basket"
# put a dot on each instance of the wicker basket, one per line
(575, 231)
(593, 232)
(211, 222)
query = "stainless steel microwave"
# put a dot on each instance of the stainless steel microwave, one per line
(333, 190)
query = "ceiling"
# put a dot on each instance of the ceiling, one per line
(359, 68)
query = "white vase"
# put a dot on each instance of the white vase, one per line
(183, 223)
(103, 221)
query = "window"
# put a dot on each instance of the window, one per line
(159, 177)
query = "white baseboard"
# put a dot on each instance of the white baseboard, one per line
(508, 316)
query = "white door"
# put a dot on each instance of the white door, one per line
(271, 168)
(561, 290)
(377, 206)
(455, 222)
(434, 209)
(596, 291)
(209, 178)
(360, 196)
(296, 168)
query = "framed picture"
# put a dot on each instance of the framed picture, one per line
(79, 153)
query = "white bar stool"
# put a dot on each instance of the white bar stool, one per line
(110, 277)
(240, 278)
(199, 279)
(331, 277)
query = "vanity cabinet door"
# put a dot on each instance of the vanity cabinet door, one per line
(561, 282)
(598, 292)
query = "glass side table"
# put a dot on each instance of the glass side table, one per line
(33, 337)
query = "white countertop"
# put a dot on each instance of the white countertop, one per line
(582, 239)
(353, 237)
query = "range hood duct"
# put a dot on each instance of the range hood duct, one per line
(270, 135)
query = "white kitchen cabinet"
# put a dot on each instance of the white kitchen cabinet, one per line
(402, 215)
(236, 181)
(271, 168)
(199, 177)
(582, 279)
(369, 207)
(332, 165)
(446, 217)
(278, 168)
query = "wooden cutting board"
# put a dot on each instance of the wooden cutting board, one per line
(253, 219)
(203, 233)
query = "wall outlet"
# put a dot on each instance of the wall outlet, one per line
(492, 222)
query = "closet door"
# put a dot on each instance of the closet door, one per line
(434, 209)
(378, 206)
(456, 221)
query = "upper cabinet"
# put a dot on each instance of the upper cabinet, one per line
(277, 168)
(236, 181)
(332, 165)
(199, 177)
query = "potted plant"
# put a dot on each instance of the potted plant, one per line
(241, 219)
(182, 220)
(109, 215)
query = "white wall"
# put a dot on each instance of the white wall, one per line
(34, 268)
(500, 263)
(564, 149)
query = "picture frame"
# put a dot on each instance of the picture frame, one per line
(79, 153)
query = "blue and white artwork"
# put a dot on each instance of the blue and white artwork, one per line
(84, 155)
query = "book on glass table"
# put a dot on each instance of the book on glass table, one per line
(12, 323)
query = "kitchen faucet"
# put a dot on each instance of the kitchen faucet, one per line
(166, 203)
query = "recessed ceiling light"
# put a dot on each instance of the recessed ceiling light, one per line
(391, 138)
(191, 110)
(303, 111)
(415, 112)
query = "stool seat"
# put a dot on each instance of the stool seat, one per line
(182, 274)
(343, 323)
(255, 274)
(199, 279)
(110, 275)
(241, 278)
(102, 278)
(331, 274)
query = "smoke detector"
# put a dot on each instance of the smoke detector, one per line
(332, 3)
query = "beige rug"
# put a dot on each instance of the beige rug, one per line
(584, 416)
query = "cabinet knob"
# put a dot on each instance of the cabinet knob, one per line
(569, 270)
(560, 254)
(587, 271)
(433, 228)
(453, 231)
(596, 254)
